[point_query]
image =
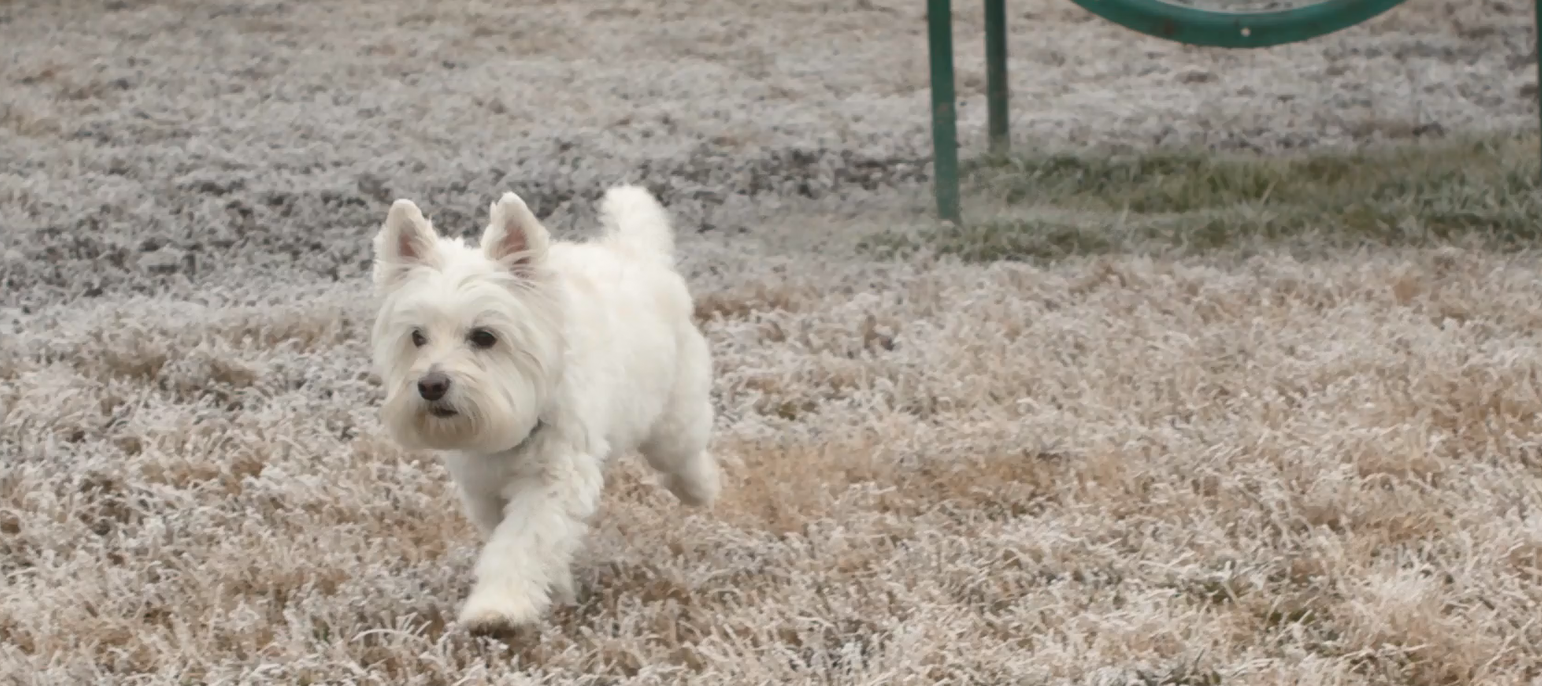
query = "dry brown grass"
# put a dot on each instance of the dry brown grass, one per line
(1313, 466)
(1198, 470)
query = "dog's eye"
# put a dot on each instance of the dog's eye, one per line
(418, 339)
(482, 338)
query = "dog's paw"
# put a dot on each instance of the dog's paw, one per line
(698, 485)
(490, 612)
(564, 590)
(696, 492)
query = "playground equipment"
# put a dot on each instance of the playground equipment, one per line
(1178, 23)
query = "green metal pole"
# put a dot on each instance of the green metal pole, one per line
(996, 73)
(939, 20)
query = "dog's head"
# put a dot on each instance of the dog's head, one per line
(467, 340)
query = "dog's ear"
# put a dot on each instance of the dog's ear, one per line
(514, 237)
(406, 240)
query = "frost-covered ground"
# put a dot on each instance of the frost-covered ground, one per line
(1101, 470)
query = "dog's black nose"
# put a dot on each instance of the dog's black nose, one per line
(433, 385)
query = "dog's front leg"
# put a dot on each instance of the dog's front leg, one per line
(528, 556)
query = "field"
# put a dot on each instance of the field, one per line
(1233, 376)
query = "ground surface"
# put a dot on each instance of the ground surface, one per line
(1172, 468)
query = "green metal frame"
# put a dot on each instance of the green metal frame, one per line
(1236, 29)
(1151, 17)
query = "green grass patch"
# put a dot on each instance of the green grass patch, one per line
(1476, 191)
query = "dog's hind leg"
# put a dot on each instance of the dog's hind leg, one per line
(677, 446)
(680, 454)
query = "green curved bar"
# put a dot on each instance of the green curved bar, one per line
(1236, 29)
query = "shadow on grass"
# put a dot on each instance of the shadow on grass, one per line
(1483, 191)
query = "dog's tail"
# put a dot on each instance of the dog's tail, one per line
(634, 219)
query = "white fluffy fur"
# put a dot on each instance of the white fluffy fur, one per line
(594, 353)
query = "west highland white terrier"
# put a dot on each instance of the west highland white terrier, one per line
(532, 363)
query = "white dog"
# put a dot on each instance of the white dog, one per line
(532, 363)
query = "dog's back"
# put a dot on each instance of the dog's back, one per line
(631, 319)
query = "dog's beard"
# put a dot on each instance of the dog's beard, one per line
(477, 417)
